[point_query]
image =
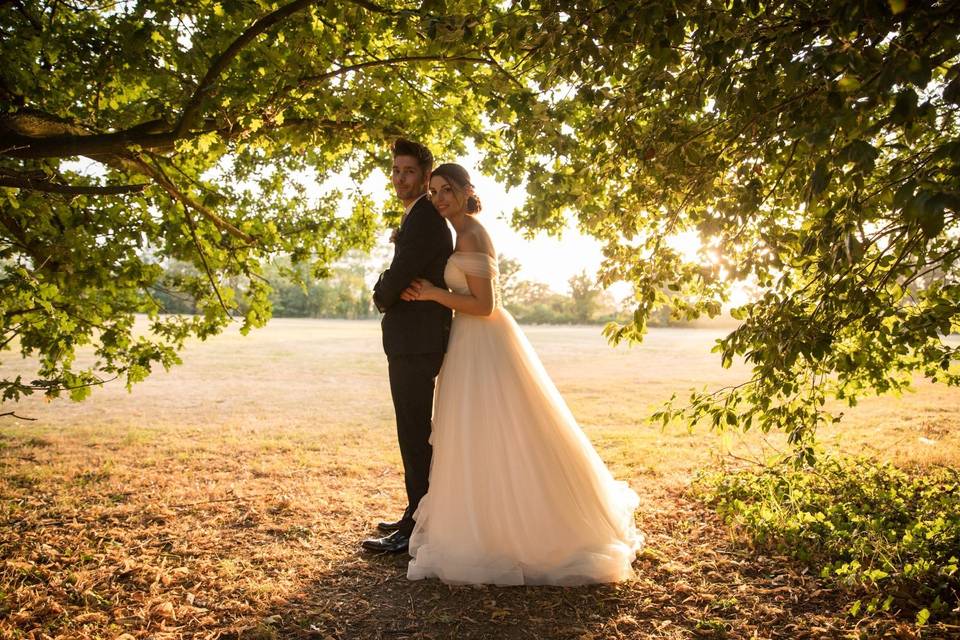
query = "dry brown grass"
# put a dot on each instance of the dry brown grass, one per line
(227, 497)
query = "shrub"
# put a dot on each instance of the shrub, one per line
(872, 527)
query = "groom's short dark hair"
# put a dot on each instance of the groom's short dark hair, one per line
(404, 147)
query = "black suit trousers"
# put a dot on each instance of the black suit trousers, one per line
(412, 379)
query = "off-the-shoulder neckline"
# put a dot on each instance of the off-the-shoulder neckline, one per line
(475, 253)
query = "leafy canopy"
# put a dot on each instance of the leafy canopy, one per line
(204, 121)
(813, 146)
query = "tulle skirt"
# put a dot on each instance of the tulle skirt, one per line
(518, 495)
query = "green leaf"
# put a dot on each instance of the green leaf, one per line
(862, 153)
(951, 93)
(915, 208)
(848, 84)
(855, 608)
(904, 194)
(820, 178)
(932, 219)
(905, 107)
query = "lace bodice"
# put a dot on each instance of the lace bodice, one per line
(474, 263)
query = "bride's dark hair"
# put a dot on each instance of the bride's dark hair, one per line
(457, 175)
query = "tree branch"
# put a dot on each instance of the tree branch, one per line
(30, 133)
(192, 108)
(187, 201)
(14, 415)
(308, 80)
(32, 183)
(22, 133)
(95, 146)
(196, 241)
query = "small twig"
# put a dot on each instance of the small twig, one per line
(14, 415)
(43, 385)
(742, 459)
(156, 172)
(196, 241)
(42, 523)
(193, 504)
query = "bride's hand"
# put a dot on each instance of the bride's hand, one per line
(426, 289)
(411, 293)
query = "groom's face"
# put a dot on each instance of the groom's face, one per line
(408, 178)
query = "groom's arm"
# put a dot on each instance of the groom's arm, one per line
(416, 246)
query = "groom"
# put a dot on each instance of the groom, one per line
(414, 333)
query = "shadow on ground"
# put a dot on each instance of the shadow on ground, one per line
(691, 583)
(240, 544)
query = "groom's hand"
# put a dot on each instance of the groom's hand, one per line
(376, 298)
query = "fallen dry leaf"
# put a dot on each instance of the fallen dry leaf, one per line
(164, 610)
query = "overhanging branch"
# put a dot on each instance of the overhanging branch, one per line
(33, 183)
(196, 242)
(192, 108)
(97, 145)
(187, 201)
(308, 80)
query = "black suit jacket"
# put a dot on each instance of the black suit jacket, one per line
(422, 246)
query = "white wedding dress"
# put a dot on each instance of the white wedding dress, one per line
(517, 493)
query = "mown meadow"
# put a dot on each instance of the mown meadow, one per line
(226, 499)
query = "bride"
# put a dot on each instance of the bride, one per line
(517, 493)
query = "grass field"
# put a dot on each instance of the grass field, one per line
(227, 497)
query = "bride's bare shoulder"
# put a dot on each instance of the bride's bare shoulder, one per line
(476, 239)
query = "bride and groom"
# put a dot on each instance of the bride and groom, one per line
(502, 485)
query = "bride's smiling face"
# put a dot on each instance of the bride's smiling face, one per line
(445, 197)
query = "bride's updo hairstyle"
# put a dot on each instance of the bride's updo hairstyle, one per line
(458, 177)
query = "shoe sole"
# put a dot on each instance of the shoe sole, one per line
(402, 550)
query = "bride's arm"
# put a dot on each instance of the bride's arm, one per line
(478, 303)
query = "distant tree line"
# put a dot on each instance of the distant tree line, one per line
(587, 303)
(536, 303)
(342, 292)
(339, 292)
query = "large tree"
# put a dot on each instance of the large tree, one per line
(201, 123)
(814, 147)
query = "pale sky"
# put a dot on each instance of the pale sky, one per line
(552, 260)
(548, 259)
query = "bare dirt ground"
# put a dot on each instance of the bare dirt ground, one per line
(227, 498)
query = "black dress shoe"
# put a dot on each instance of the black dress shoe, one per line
(389, 527)
(396, 542)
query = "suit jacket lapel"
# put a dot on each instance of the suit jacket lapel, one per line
(415, 206)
